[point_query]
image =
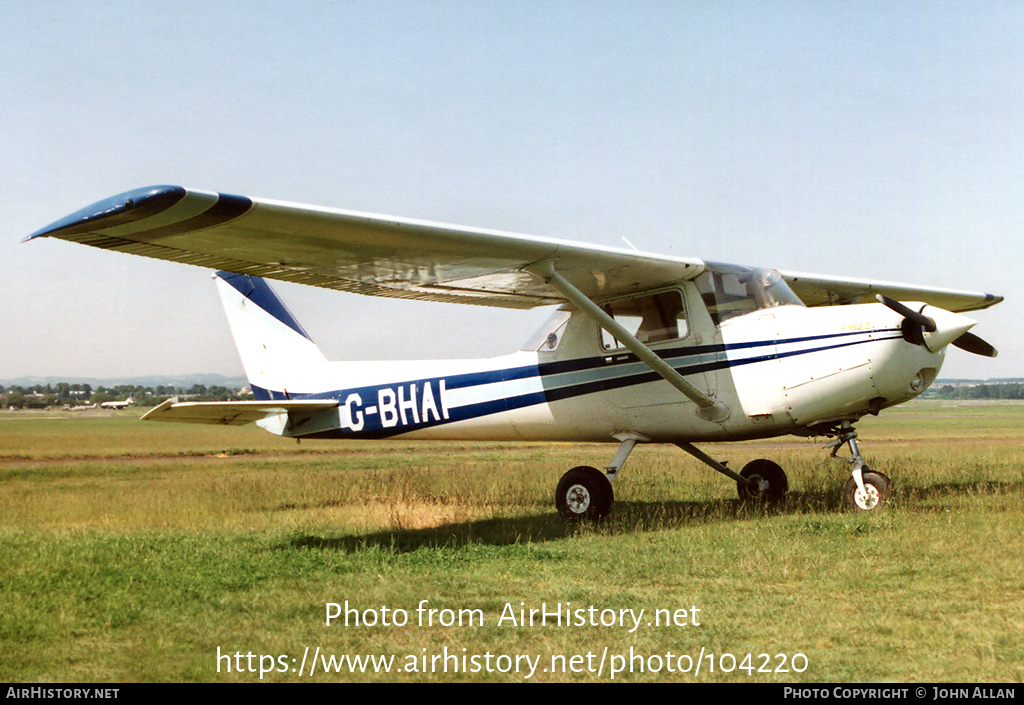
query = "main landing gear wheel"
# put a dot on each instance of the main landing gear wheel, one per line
(770, 483)
(877, 489)
(584, 494)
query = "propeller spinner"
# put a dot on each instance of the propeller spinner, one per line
(940, 329)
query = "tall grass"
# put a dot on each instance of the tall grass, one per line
(124, 561)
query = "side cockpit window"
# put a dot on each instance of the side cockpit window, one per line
(652, 318)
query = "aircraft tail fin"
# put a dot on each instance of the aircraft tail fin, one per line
(280, 359)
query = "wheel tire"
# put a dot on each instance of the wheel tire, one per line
(877, 488)
(764, 471)
(584, 494)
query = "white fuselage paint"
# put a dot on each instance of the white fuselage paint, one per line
(776, 369)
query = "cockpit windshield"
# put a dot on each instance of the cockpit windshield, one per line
(729, 291)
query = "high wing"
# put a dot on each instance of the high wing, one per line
(405, 258)
(817, 290)
(357, 252)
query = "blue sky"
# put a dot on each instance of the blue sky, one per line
(880, 140)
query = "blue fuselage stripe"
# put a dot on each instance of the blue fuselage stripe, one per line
(580, 377)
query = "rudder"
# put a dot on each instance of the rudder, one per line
(280, 359)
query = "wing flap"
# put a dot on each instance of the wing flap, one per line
(231, 413)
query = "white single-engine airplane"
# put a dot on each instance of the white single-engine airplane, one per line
(642, 349)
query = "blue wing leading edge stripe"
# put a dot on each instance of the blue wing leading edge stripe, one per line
(227, 207)
(143, 203)
(123, 208)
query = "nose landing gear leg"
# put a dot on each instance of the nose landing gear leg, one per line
(866, 490)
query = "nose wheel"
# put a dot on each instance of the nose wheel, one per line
(872, 495)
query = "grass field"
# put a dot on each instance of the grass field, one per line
(139, 552)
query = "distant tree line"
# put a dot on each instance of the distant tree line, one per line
(1008, 390)
(66, 394)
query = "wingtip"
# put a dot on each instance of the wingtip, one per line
(124, 207)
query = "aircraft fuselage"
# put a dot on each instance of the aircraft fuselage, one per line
(778, 371)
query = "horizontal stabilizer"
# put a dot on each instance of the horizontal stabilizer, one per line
(231, 413)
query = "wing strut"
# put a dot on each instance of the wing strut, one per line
(709, 409)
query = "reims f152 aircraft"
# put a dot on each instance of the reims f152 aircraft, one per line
(642, 348)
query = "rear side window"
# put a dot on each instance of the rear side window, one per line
(652, 318)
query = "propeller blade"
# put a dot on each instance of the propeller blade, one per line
(908, 313)
(973, 344)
